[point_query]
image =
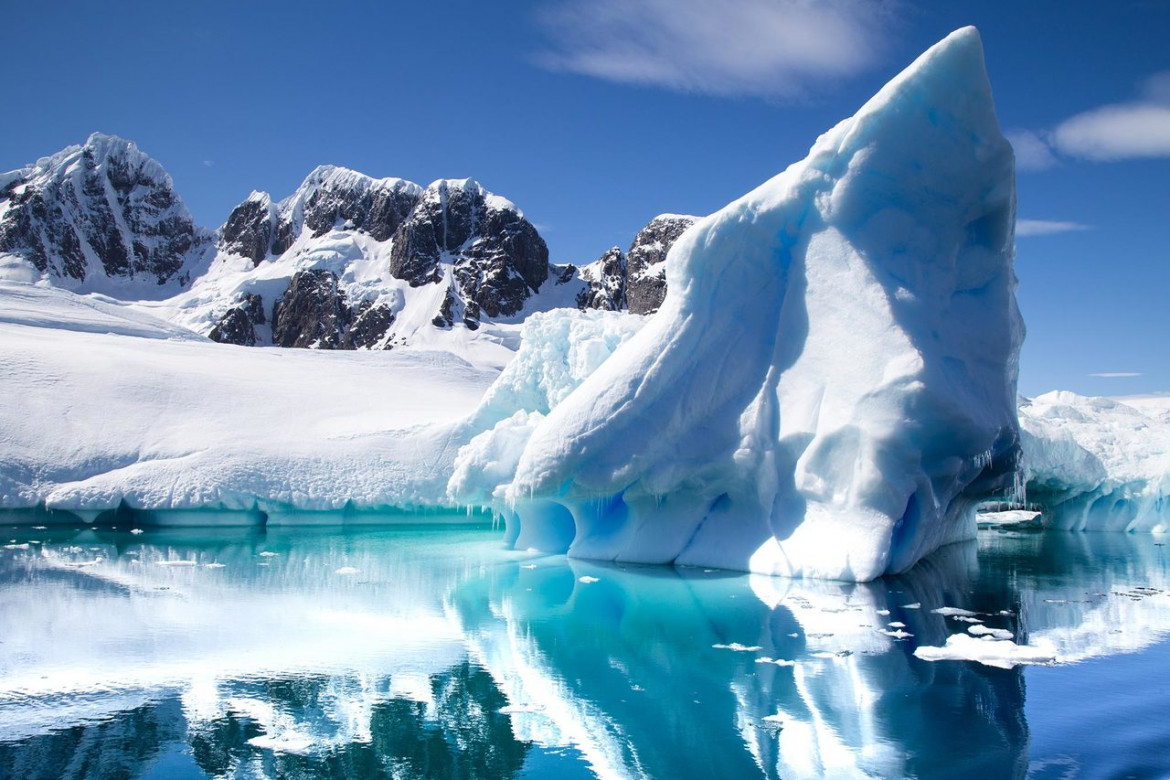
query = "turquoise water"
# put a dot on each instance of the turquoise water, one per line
(432, 652)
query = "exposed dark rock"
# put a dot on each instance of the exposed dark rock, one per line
(446, 316)
(606, 278)
(329, 197)
(249, 229)
(371, 322)
(106, 197)
(238, 324)
(498, 259)
(645, 272)
(312, 313)
(563, 274)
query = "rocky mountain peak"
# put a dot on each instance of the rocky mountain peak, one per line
(102, 215)
(490, 256)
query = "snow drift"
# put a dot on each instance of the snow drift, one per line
(829, 386)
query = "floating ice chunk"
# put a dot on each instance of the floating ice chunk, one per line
(214, 565)
(16, 546)
(954, 612)
(1002, 653)
(267, 554)
(994, 633)
(965, 619)
(897, 624)
(737, 647)
(915, 605)
(587, 579)
(346, 571)
(136, 531)
(897, 633)
(176, 564)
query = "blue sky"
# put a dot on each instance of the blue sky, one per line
(595, 116)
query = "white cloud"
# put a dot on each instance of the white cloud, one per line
(1045, 227)
(1032, 151)
(1118, 132)
(208, 163)
(772, 48)
(1116, 374)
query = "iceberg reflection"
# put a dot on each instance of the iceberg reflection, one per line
(414, 652)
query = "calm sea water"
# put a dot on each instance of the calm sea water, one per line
(432, 652)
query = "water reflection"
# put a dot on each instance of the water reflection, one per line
(414, 652)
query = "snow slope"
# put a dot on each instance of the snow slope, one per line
(103, 404)
(1096, 463)
(829, 385)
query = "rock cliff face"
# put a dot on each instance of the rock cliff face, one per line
(496, 258)
(329, 197)
(102, 216)
(346, 253)
(634, 281)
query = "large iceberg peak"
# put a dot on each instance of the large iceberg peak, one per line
(829, 385)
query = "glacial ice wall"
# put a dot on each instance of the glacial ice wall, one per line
(829, 386)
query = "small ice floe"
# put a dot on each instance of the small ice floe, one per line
(897, 633)
(883, 612)
(1005, 612)
(137, 531)
(528, 566)
(214, 565)
(915, 605)
(512, 709)
(954, 612)
(737, 647)
(776, 661)
(587, 579)
(40, 528)
(175, 563)
(81, 564)
(965, 619)
(1002, 653)
(346, 571)
(16, 546)
(897, 624)
(267, 554)
(994, 633)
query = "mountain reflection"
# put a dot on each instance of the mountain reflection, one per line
(433, 652)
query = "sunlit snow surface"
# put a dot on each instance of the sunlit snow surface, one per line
(434, 652)
(829, 385)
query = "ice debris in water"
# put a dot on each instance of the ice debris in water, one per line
(994, 633)
(1002, 653)
(587, 579)
(954, 612)
(830, 383)
(737, 647)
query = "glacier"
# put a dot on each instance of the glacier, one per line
(829, 386)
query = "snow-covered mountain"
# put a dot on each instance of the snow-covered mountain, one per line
(346, 261)
(100, 217)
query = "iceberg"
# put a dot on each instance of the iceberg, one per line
(1097, 464)
(829, 387)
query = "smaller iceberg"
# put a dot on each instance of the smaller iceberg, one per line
(829, 387)
(1097, 464)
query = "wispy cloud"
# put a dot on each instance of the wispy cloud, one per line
(1116, 374)
(1045, 227)
(1116, 131)
(208, 163)
(769, 48)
